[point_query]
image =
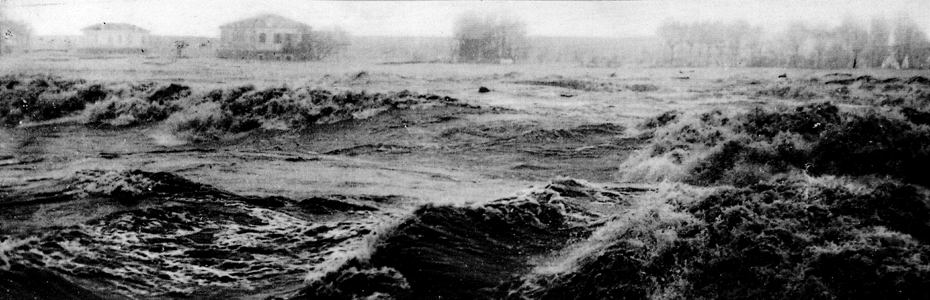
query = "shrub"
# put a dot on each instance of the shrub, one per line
(792, 239)
(661, 120)
(807, 120)
(130, 111)
(92, 93)
(916, 116)
(575, 84)
(245, 108)
(170, 92)
(737, 163)
(204, 119)
(677, 147)
(743, 149)
(40, 97)
(799, 92)
(49, 106)
(643, 88)
(874, 145)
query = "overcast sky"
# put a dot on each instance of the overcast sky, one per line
(552, 18)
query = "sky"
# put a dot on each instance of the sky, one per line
(436, 18)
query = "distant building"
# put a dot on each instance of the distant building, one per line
(262, 37)
(115, 36)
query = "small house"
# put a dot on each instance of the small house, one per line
(262, 37)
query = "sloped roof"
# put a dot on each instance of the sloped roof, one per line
(114, 26)
(267, 20)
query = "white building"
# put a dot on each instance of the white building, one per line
(114, 36)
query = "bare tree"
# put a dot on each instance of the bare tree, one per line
(489, 38)
(854, 38)
(710, 43)
(910, 41)
(14, 35)
(794, 38)
(673, 35)
(851, 44)
(319, 44)
(877, 46)
(179, 47)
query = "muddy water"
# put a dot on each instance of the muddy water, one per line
(270, 214)
(478, 251)
(172, 237)
(167, 237)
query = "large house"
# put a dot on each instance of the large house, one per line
(261, 37)
(114, 36)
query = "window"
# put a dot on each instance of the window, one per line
(261, 38)
(277, 38)
(288, 38)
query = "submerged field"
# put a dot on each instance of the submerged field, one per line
(133, 178)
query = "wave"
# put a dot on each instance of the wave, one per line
(169, 237)
(471, 252)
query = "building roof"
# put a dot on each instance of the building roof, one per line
(114, 26)
(264, 21)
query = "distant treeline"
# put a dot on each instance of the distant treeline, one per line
(899, 43)
(494, 38)
(582, 51)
